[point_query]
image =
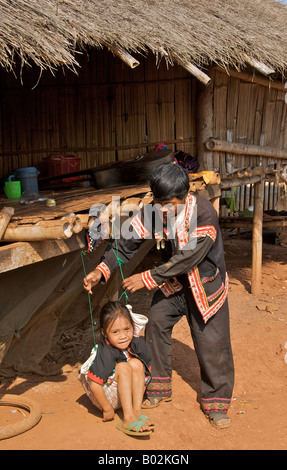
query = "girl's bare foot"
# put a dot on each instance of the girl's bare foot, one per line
(148, 421)
(128, 421)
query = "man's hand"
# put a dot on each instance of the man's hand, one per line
(133, 283)
(91, 280)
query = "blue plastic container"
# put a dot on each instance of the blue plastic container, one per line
(28, 177)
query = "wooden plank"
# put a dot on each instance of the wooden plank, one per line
(73, 201)
(17, 255)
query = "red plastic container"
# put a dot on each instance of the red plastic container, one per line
(58, 164)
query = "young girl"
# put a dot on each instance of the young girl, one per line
(120, 371)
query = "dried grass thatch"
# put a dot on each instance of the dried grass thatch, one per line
(47, 32)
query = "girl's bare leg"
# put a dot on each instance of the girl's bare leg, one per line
(124, 379)
(138, 386)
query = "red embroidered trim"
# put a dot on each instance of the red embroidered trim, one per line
(198, 290)
(139, 227)
(184, 226)
(216, 294)
(200, 296)
(95, 378)
(104, 270)
(205, 231)
(215, 404)
(218, 304)
(208, 279)
(168, 288)
(148, 281)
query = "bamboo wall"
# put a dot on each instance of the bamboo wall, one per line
(249, 113)
(107, 112)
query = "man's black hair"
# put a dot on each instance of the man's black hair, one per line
(169, 180)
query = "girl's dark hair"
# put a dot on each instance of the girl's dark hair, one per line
(169, 180)
(109, 313)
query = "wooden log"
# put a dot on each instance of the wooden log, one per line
(86, 220)
(56, 229)
(5, 217)
(257, 238)
(255, 171)
(234, 183)
(209, 177)
(215, 145)
(196, 186)
(244, 173)
(74, 221)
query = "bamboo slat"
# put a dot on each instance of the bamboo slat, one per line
(185, 122)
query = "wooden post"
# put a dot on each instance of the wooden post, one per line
(204, 117)
(257, 237)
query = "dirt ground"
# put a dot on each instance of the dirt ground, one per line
(258, 408)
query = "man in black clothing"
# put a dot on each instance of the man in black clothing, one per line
(192, 282)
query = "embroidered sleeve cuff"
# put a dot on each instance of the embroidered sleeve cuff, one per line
(148, 281)
(104, 270)
(95, 378)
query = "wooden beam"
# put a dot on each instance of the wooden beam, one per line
(17, 255)
(205, 119)
(215, 145)
(74, 150)
(252, 78)
(234, 183)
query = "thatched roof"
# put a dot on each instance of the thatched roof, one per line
(202, 32)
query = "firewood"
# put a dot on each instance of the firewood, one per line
(5, 217)
(56, 229)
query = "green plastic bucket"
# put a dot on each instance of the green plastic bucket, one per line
(12, 189)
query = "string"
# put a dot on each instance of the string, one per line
(89, 297)
(120, 262)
